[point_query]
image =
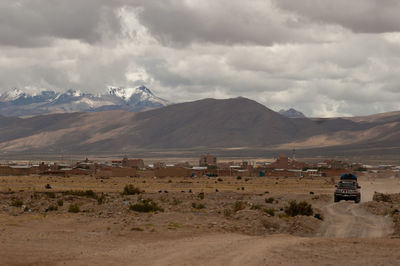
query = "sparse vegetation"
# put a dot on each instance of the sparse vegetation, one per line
(256, 207)
(269, 200)
(74, 208)
(227, 212)
(52, 208)
(302, 208)
(60, 202)
(176, 201)
(101, 199)
(146, 205)
(174, 225)
(270, 211)
(131, 190)
(17, 203)
(139, 229)
(201, 195)
(198, 206)
(51, 195)
(239, 205)
(81, 193)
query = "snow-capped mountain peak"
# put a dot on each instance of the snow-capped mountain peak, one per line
(33, 101)
(135, 95)
(123, 93)
(11, 95)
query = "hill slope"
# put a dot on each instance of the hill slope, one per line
(211, 123)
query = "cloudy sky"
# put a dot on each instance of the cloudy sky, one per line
(323, 57)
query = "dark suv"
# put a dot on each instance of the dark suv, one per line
(348, 190)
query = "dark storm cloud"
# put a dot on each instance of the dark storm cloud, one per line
(28, 23)
(363, 16)
(224, 21)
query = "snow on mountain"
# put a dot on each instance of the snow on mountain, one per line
(292, 113)
(136, 95)
(11, 95)
(17, 102)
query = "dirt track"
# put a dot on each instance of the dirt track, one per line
(235, 249)
(346, 219)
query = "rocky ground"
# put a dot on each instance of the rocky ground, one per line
(84, 220)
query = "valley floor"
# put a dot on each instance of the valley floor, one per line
(224, 232)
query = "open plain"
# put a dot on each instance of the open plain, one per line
(194, 221)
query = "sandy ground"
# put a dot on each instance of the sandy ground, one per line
(349, 235)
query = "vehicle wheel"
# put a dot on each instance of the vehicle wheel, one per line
(336, 199)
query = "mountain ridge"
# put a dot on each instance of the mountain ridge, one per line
(292, 113)
(205, 124)
(16, 102)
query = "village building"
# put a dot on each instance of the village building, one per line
(132, 163)
(208, 160)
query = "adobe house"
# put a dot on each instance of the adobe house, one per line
(132, 163)
(207, 160)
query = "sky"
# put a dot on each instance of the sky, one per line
(325, 58)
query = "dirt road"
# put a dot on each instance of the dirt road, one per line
(347, 219)
(235, 249)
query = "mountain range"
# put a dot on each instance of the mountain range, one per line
(16, 102)
(229, 124)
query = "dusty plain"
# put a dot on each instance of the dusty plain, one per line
(200, 221)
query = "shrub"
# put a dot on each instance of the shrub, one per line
(176, 201)
(220, 179)
(174, 225)
(301, 208)
(269, 200)
(87, 193)
(74, 208)
(17, 203)
(227, 212)
(238, 177)
(146, 205)
(198, 206)
(51, 195)
(52, 208)
(201, 195)
(101, 199)
(256, 207)
(239, 205)
(60, 202)
(270, 211)
(137, 229)
(131, 190)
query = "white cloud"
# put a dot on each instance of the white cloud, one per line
(280, 54)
